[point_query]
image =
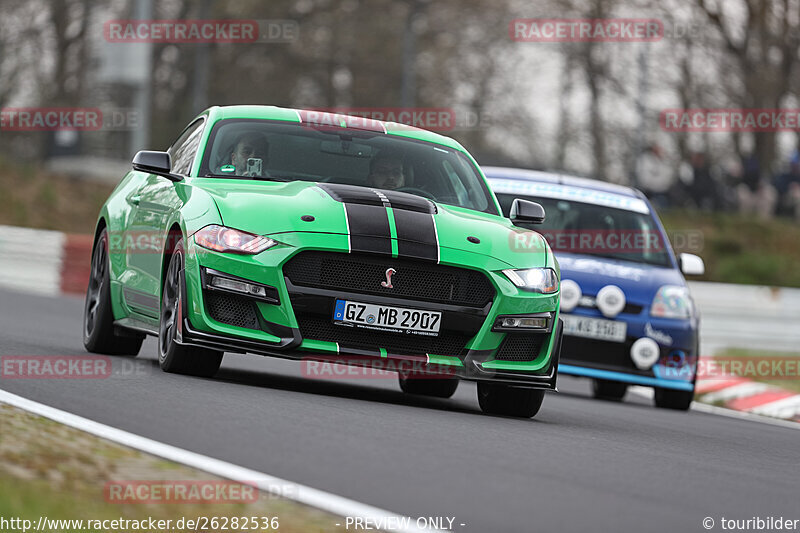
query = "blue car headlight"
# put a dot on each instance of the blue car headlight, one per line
(672, 301)
(543, 280)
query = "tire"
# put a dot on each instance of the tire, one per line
(498, 399)
(609, 390)
(425, 385)
(98, 319)
(680, 400)
(172, 357)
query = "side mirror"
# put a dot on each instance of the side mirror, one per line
(158, 163)
(692, 265)
(526, 211)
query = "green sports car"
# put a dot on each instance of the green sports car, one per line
(326, 238)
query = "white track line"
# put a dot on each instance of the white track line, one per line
(647, 392)
(744, 415)
(325, 501)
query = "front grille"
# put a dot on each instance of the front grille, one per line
(597, 353)
(231, 309)
(417, 280)
(632, 309)
(317, 327)
(520, 347)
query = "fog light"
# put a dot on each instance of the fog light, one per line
(510, 322)
(570, 295)
(523, 322)
(238, 286)
(645, 353)
(532, 323)
(610, 300)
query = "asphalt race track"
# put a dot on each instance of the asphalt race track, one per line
(581, 465)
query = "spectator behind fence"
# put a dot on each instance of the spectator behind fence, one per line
(755, 194)
(701, 187)
(787, 188)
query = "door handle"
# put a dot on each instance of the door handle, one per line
(134, 200)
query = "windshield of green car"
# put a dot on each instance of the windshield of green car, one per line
(275, 151)
(597, 230)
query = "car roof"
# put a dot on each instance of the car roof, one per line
(558, 178)
(564, 187)
(328, 117)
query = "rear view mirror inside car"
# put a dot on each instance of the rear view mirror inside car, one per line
(347, 148)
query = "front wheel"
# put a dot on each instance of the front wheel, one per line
(172, 357)
(679, 400)
(498, 399)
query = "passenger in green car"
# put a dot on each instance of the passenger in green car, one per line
(250, 145)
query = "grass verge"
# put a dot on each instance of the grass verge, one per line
(34, 198)
(739, 248)
(54, 471)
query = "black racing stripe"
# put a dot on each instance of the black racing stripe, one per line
(355, 194)
(416, 235)
(409, 202)
(369, 228)
(369, 221)
(351, 194)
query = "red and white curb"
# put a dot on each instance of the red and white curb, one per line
(743, 394)
(44, 262)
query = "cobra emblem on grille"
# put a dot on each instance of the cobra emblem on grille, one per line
(388, 282)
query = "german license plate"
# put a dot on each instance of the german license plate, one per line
(387, 318)
(594, 328)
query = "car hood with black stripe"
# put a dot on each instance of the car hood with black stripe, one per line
(373, 218)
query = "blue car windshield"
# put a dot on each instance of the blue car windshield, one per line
(279, 151)
(597, 230)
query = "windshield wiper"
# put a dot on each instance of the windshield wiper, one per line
(269, 178)
(260, 178)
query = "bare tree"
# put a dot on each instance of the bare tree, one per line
(763, 41)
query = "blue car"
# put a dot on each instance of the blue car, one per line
(628, 316)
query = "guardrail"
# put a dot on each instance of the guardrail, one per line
(747, 316)
(44, 262)
(30, 260)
